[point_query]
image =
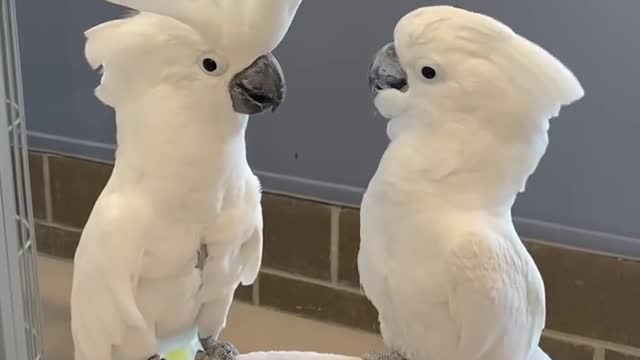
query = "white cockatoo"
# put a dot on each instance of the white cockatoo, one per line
(182, 76)
(469, 103)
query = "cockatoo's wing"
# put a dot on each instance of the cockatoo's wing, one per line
(251, 250)
(234, 241)
(106, 270)
(494, 299)
(251, 256)
(233, 255)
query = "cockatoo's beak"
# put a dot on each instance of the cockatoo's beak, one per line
(386, 72)
(259, 87)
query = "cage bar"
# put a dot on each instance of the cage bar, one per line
(20, 309)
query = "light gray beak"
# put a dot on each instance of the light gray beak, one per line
(259, 87)
(386, 72)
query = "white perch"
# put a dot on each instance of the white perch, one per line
(293, 355)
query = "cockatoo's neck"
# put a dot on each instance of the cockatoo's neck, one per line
(459, 164)
(168, 146)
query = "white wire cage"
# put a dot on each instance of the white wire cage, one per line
(20, 310)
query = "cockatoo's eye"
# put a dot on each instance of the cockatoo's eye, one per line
(211, 65)
(428, 72)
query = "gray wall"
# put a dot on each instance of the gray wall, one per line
(326, 141)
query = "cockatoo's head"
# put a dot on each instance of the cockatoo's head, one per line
(214, 50)
(448, 60)
(467, 85)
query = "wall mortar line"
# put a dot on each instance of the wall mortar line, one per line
(301, 278)
(48, 197)
(595, 343)
(255, 292)
(58, 226)
(335, 244)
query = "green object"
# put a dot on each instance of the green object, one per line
(182, 354)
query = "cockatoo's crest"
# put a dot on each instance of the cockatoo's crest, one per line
(459, 40)
(258, 25)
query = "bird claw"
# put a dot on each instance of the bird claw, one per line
(380, 356)
(216, 350)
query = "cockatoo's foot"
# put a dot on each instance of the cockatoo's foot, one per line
(379, 356)
(216, 350)
(156, 357)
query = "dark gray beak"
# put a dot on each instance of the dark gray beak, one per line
(386, 72)
(259, 87)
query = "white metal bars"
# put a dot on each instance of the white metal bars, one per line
(20, 310)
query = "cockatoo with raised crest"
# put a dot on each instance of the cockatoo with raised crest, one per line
(182, 76)
(469, 103)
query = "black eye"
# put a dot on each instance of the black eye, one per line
(209, 65)
(428, 72)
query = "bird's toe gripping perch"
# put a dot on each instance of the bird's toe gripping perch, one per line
(216, 350)
(383, 356)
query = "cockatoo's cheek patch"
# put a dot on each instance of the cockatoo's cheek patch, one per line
(391, 102)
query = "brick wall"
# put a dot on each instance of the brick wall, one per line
(310, 265)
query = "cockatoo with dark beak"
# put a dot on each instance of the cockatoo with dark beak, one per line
(182, 76)
(469, 103)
